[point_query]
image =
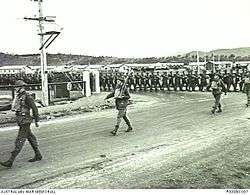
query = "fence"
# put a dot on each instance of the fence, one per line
(57, 91)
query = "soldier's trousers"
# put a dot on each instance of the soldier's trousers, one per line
(122, 114)
(235, 86)
(23, 134)
(217, 103)
(248, 97)
(229, 86)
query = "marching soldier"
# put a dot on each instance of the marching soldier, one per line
(157, 81)
(204, 83)
(189, 78)
(241, 83)
(227, 79)
(105, 82)
(22, 105)
(143, 81)
(217, 87)
(171, 79)
(165, 82)
(236, 80)
(176, 81)
(246, 87)
(147, 82)
(131, 81)
(192, 80)
(151, 81)
(110, 82)
(137, 81)
(121, 95)
(199, 82)
(184, 81)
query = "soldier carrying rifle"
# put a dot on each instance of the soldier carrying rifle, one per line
(22, 105)
(217, 87)
(121, 95)
(246, 87)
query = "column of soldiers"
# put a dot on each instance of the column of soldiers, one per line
(10, 79)
(176, 81)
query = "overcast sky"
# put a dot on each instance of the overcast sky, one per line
(129, 28)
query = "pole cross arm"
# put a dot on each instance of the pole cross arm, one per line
(52, 36)
(45, 19)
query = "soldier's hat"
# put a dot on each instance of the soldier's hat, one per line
(20, 83)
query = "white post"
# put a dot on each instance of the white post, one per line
(87, 81)
(44, 72)
(97, 81)
(44, 75)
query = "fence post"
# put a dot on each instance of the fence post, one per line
(97, 81)
(86, 79)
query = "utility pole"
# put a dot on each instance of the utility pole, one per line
(198, 62)
(44, 45)
(213, 63)
(43, 56)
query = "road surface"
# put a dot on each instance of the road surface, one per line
(176, 143)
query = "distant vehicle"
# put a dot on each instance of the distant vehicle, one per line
(5, 102)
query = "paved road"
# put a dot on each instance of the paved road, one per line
(177, 143)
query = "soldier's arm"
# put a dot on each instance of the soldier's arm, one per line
(112, 94)
(126, 94)
(224, 89)
(30, 102)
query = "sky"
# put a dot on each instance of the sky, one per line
(128, 28)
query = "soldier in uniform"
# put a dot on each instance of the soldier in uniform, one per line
(236, 80)
(137, 81)
(110, 81)
(22, 105)
(131, 81)
(157, 81)
(171, 79)
(189, 81)
(227, 79)
(165, 81)
(246, 87)
(151, 81)
(184, 81)
(102, 84)
(192, 81)
(143, 81)
(121, 95)
(241, 83)
(106, 82)
(217, 87)
(147, 81)
(176, 81)
(204, 83)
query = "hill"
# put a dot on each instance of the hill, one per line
(239, 54)
(242, 51)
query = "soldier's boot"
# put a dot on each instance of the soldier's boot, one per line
(9, 162)
(38, 155)
(219, 109)
(213, 110)
(130, 128)
(114, 132)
